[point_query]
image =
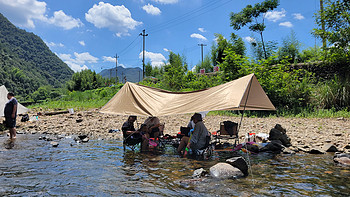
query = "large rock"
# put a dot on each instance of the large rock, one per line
(240, 163)
(225, 171)
(342, 159)
(329, 148)
(274, 146)
(279, 133)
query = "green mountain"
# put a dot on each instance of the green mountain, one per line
(131, 74)
(26, 63)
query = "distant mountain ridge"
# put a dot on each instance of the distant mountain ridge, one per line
(132, 74)
(26, 63)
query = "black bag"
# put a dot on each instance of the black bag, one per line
(185, 131)
(25, 118)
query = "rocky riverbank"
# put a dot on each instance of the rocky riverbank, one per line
(305, 133)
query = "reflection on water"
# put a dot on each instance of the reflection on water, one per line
(102, 168)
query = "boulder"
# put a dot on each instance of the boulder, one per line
(225, 171)
(329, 148)
(240, 163)
(316, 150)
(279, 133)
(342, 159)
(199, 173)
(274, 146)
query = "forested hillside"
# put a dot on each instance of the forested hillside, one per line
(26, 63)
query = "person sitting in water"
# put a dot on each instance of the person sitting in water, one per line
(198, 138)
(152, 127)
(129, 132)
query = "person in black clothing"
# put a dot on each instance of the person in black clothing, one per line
(130, 134)
(10, 113)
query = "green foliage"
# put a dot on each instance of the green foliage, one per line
(286, 88)
(249, 17)
(232, 64)
(174, 72)
(205, 65)
(263, 51)
(45, 92)
(86, 80)
(26, 63)
(289, 49)
(236, 44)
(311, 54)
(80, 100)
(336, 20)
(334, 93)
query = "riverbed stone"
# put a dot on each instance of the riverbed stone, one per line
(225, 171)
(54, 144)
(342, 159)
(329, 148)
(199, 173)
(316, 150)
(240, 163)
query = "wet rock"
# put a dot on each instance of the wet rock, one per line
(85, 140)
(79, 120)
(225, 171)
(342, 159)
(329, 148)
(240, 163)
(316, 150)
(279, 133)
(274, 146)
(54, 144)
(338, 134)
(288, 151)
(199, 173)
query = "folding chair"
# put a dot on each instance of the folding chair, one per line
(228, 131)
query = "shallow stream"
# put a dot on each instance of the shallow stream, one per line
(33, 167)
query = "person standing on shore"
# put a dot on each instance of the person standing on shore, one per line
(10, 113)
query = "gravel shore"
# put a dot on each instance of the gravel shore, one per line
(304, 132)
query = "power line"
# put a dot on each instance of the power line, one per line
(187, 16)
(122, 51)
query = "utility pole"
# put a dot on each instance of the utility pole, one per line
(143, 53)
(116, 69)
(202, 45)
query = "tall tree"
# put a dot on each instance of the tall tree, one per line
(336, 20)
(174, 72)
(290, 48)
(249, 17)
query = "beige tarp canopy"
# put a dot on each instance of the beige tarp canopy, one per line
(134, 99)
(3, 100)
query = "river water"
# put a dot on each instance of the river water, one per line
(33, 167)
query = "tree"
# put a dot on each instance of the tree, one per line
(290, 48)
(336, 21)
(205, 65)
(148, 69)
(249, 16)
(174, 72)
(217, 51)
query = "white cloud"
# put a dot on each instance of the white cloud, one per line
(249, 39)
(286, 24)
(201, 29)
(60, 19)
(23, 12)
(150, 9)
(157, 59)
(167, 50)
(52, 44)
(115, 18)
(82, 43)
(108, 59)
(275, 15)
(78, 62)
(166, 1)
(298, 16)
(194, 69)
(198, 36)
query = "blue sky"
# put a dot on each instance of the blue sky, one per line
(89, 33)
